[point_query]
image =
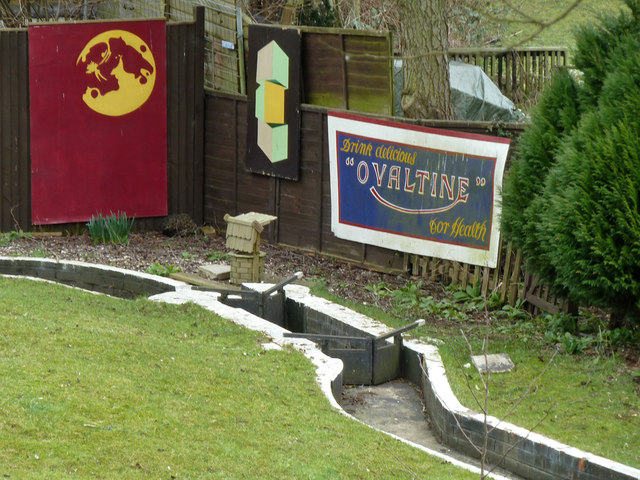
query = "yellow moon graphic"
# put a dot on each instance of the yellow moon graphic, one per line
(121, 72)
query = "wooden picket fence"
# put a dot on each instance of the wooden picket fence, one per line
(521, 73)
(509, 279)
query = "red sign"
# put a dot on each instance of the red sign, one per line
(98, 120)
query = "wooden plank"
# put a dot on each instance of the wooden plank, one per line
(6, 128)
(435, 263)
(542, 304)
(424, 265)
(496, 271)
(415, 265)
(465, 276)
(343, 71)
(456, 273)
(515, 279)
(506, 274)
(476, 275)
(15, 203)
(194, 279)
(486, 274)
(198, 116)
(23, 165)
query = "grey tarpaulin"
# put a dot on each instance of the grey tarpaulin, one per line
(474, 96)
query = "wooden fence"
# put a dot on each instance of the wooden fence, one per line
(347, 69)
(513, 284)
(303, 208)
(207, 176)
(223, 58)
(520, 73)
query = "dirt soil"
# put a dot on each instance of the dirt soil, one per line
(189, 253)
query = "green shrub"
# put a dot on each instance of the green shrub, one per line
(162, 270)
(217, 256)
(590, 220)
(594, 45)
(112, 229)
(12, 236)
(581, 233)
(555, 115)
(318, 14)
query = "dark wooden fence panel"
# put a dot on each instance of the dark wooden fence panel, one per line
(299, 202)
(368, 73)
(185, 112)
(221, 158)
(185, 117)
(320, 53)
(15, 185)
(347, 69)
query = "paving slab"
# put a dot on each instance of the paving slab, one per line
(497, 362)
(216, 271)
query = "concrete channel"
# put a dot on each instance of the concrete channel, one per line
(367, 371)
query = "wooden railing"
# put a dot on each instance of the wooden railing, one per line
(520, 73)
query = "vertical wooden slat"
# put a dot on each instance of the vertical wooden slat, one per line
(465, 276)
(506, 274)
(12, 180)
(277, 199)
(456, 273)
(500, 81)
(434, 268)
(23, 160)
(476, 275)
(15, 172)
(321, 169)
(6, 128)
(415, 266)
(424, 265)
(187, 160)
(486, 274)
(496, 271)
(343, 63)
(198, 117)
(515, 279)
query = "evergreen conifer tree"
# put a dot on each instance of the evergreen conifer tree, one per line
(555, 115)
(572, 199)
(590, 220)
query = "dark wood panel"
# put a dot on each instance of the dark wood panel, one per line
(185, 114)
(15, 198)
(177, 107)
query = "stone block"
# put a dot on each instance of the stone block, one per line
(216, 271)
(246, 268)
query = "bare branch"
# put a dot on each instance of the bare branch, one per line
(532, 384)
(455, 417)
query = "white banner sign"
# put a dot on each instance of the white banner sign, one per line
(417, 190)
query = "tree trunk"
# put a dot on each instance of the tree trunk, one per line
(426, 92)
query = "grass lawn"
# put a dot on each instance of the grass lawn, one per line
(588, 400)
(560, 34)
(100, 387)
(585, 400)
